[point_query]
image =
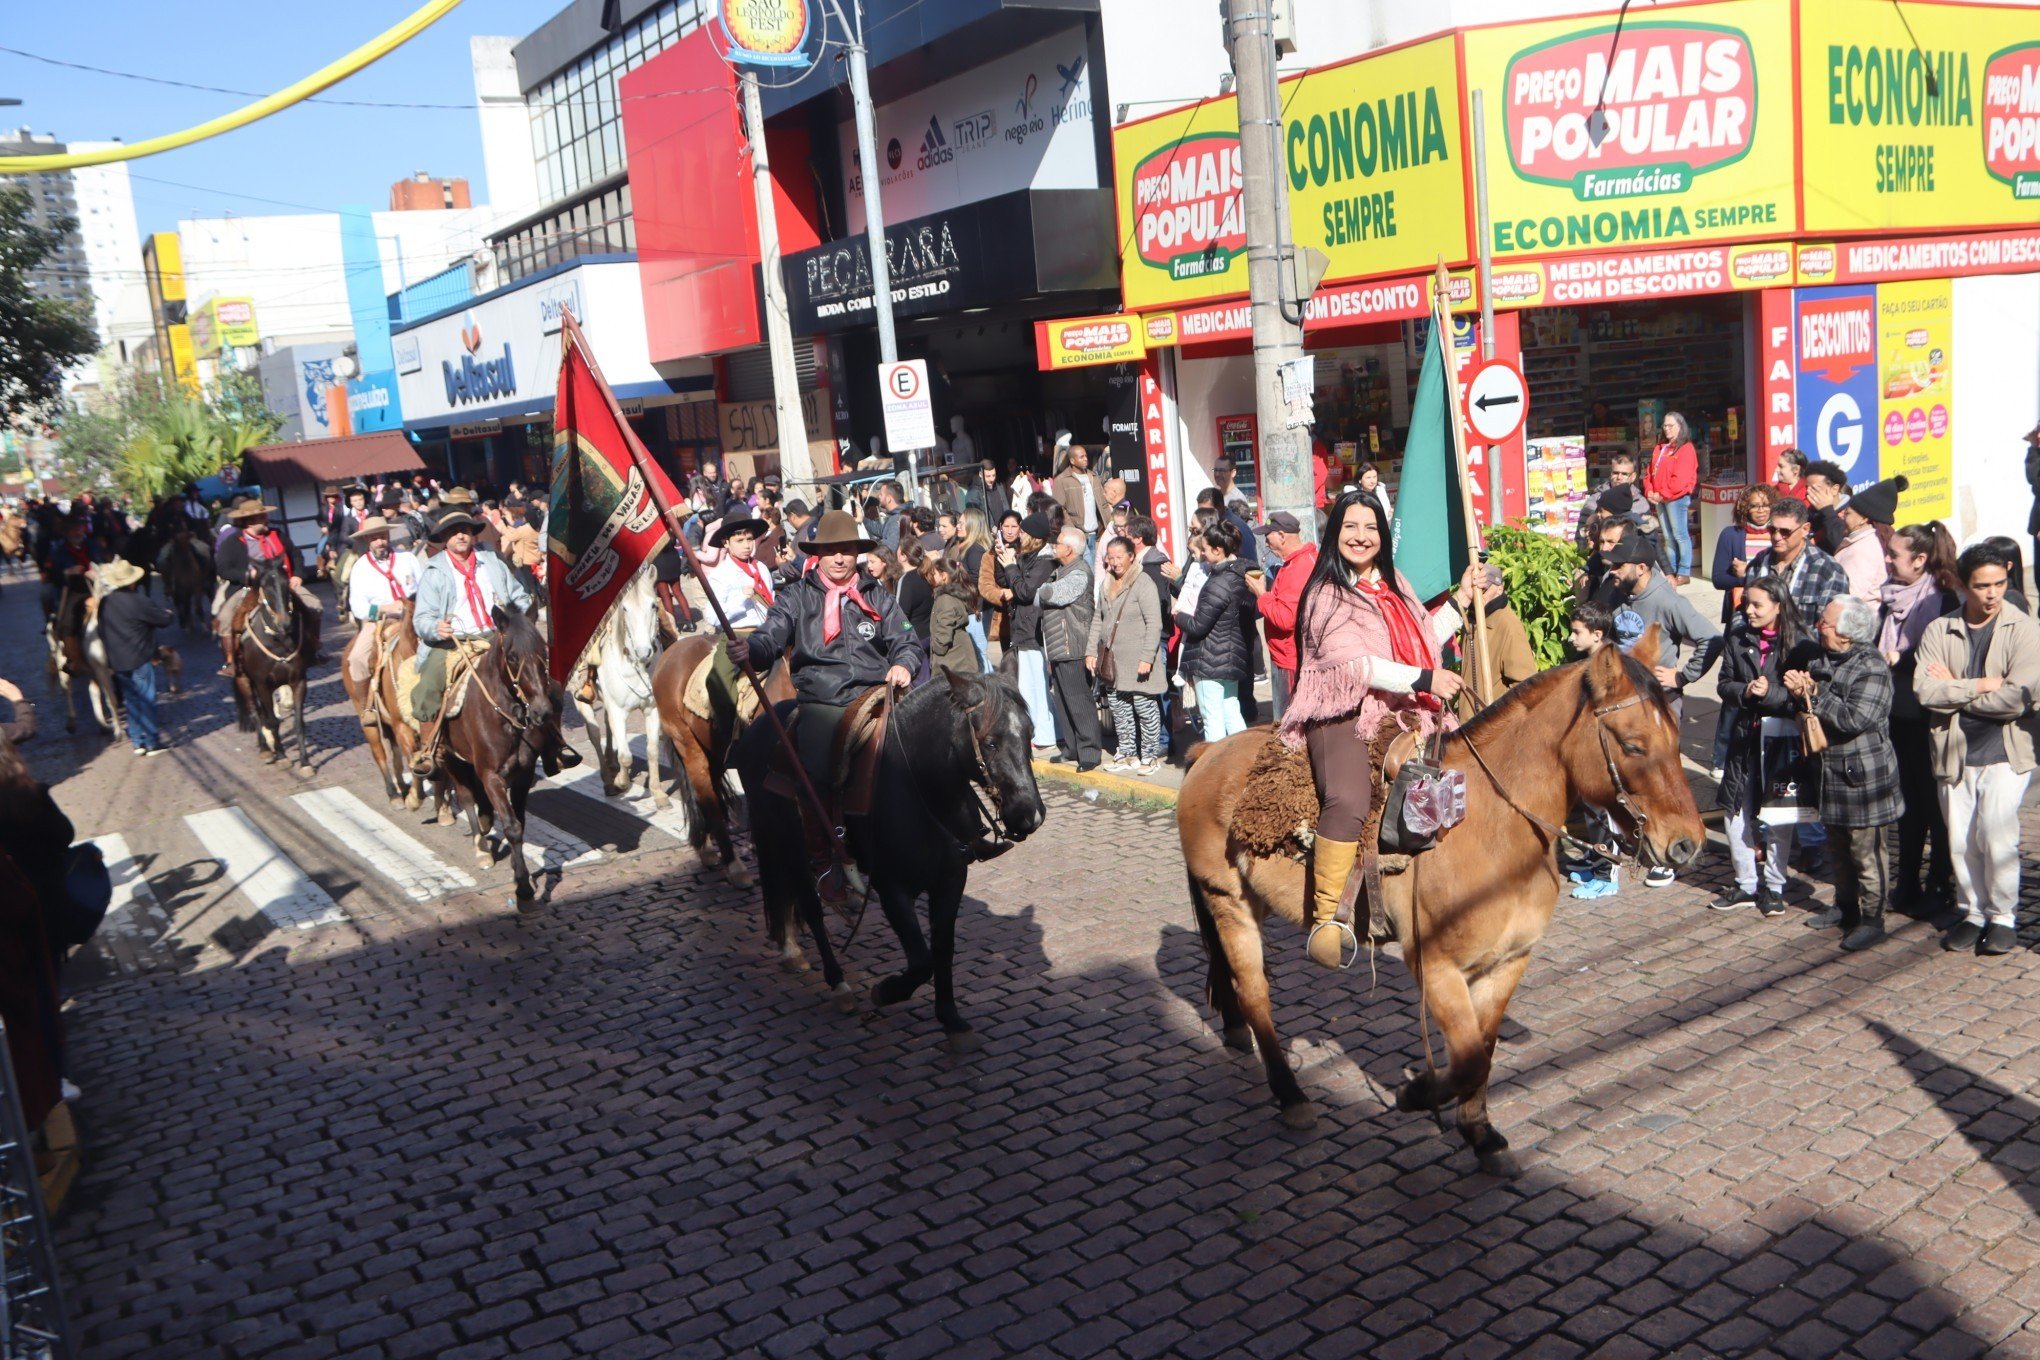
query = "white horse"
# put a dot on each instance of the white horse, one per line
(622, 656)
(85, 659)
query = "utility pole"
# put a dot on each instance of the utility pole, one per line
(796, 468)
(1277, 307)
(874, 211)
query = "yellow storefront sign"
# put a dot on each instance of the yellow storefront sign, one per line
(1084, 340)
(1945, 133)
(1915, 394)
(1372, 149)
(1685, 137)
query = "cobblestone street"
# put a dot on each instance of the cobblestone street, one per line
(429, 1126)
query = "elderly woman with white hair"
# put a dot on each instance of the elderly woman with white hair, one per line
(1849, 690)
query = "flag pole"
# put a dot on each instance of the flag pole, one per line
(641, 459)
(1441, 321)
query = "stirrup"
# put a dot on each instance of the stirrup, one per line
(1351, 938)
(986, 847)
(832, 887)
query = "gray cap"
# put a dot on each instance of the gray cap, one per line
(1284, 522)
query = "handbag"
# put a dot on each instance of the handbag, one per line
(1108, 669)
(1812, 736)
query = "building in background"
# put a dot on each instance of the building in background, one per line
(422, 193)
(65, 272)
(113, 252)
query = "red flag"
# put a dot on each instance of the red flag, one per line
(603, 524)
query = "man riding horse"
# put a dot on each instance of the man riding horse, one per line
(457, 590)
(241, 559)
(380, 587)
(67, 567)
(842, 632)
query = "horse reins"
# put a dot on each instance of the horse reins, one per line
(250, 631)
(1556, 834)
(978, 781)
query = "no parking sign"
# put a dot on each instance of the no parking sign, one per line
(909, 413)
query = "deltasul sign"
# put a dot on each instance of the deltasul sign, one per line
(1189, 216)
(1679, 100)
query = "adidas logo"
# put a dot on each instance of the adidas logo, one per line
(935, 148)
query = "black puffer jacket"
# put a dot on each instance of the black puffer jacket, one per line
(1738, 669)
(836, 672)
(1217, 645)
(1024, 578)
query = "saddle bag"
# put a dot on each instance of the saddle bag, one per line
(1424, 802)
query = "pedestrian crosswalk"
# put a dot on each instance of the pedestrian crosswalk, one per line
(311, 859)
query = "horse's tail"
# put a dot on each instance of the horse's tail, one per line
(1197, 748)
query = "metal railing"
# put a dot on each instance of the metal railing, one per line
(32, 1324)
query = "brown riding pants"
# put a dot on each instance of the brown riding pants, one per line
(1344, 775)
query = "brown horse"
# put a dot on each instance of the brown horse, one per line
(704, 765)
(494, 743)
(1597, 732)
(274, 647)
(374, 701)
(189, 579)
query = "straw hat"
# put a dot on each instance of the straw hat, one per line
(370, 527)
(837, 532)
(119, 574)
(458, 495)
(247, 510)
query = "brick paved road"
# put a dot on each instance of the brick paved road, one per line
(614, 1128)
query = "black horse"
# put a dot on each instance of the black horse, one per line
(274, 651)
(946, 745)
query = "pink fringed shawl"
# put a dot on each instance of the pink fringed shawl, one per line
(1346, 634)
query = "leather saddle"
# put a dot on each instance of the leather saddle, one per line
(854, 754)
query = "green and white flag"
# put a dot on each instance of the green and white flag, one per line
(1429, 531)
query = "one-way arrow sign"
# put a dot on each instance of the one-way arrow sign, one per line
(1496, 401)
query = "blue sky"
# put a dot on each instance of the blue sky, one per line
(306, 158)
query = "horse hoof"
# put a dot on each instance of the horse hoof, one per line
(1241, 1038)
(1302, 1115)
(410, 801)
(841, 997)
(1501, 1163)
(963, 1041)
(881, 995)
(269, 757)
(445, 817)
(303, 771)
(396, 801)
(793, 961)
(739, 876)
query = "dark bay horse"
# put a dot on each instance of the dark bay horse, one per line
(956, 737)
(189, 578)
(494, 743)
(273, 653)
(704, 767)
(1597, 732)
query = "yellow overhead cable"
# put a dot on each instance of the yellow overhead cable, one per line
(373, 50)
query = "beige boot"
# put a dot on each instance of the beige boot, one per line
(1331, 865)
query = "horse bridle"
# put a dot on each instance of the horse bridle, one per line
(262, 607)
(1623, 799)
(518, 714)
(989, 804)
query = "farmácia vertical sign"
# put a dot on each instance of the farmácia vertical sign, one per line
(1945, 133)
(1698, 145)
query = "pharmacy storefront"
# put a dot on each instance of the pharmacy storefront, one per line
(1812, 250)
(477, 382)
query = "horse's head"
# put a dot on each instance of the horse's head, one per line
(995, 717)
(522, 652)
(1625, 757)
(272, 586)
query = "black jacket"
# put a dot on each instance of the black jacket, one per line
(1905, 704)
(128, 621)
(995, 500)
(1023, 615)
(1828, 530)
(835, 673)
(1218, 647)
(1738, 669)
(234, 566)
(916, 600)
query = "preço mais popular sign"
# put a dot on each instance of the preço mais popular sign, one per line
(1372, 152)
(1945, 133)
(1086, 340)
(1697, 140)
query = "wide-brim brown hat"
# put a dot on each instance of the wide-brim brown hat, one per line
(838, 533)
(370, 527)
(757, 528)
(452, 522)
(248, 510)
(458, 495)
(119, 574)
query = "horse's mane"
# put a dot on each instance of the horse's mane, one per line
(520, 635)
(1522, 697)
(1003, 692)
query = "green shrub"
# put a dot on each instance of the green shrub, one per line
(1537, 571)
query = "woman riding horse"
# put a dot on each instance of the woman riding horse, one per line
(1367, 653)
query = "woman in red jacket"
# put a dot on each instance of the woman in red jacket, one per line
(1668, 482)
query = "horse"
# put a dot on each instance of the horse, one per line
(273, 650)
(493, 744)
(621, 658)
(1597, 732)
(704, 763)
(76, 652)
(189, 578)
(948, 744)
(377, 714)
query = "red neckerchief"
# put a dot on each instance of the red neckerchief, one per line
(761, 580)
(269, 541)
(832, 608)
(389, 576)
(1406, 640)
(477, 606)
